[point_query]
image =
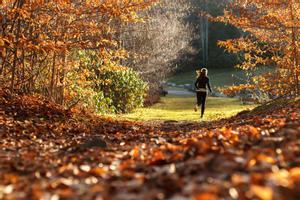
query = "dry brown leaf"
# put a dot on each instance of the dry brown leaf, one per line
(206, 196)
(264, 193)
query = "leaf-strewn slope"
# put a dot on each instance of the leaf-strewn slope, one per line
(48, 152)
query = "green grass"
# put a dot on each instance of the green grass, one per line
(181, 108)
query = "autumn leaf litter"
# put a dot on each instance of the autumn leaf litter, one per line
(48, 152)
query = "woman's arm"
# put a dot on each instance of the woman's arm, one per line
(208, 85)
(196, 83)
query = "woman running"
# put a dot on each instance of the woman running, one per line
(201, 87)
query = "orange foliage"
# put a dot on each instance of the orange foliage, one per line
(271, 29)
(236, 88)
(38, 38)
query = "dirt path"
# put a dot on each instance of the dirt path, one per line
(180, 93)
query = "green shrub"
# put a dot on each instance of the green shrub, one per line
(123, 87)
(104, 86)
(101, 103)
(89, 98)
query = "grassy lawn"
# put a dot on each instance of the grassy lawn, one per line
(181, 108)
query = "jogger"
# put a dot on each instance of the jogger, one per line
(201, 85)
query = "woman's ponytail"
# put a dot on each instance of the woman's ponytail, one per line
(202, 73)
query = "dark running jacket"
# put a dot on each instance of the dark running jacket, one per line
(201, 84)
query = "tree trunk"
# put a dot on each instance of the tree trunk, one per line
(15, 59)
(51, 86)
(62, 79)
(31, 82)
(295, 52)
(204, 26)
(206, 36)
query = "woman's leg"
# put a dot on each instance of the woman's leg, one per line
(198, 97)
(203, 100)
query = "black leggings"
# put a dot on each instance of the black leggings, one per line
(201, 99)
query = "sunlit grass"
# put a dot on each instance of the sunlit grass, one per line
(181, 108)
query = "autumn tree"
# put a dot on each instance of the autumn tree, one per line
(271, 38)
(157, 44)
(38, 39)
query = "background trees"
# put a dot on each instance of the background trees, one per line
(59, 48)
(157, 45)
(208, 33)
(271, 39)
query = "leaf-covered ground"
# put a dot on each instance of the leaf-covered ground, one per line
(47, 152)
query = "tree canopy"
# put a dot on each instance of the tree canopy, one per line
(38, 39)
(271, 38)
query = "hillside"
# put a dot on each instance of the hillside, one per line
(48, 152)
